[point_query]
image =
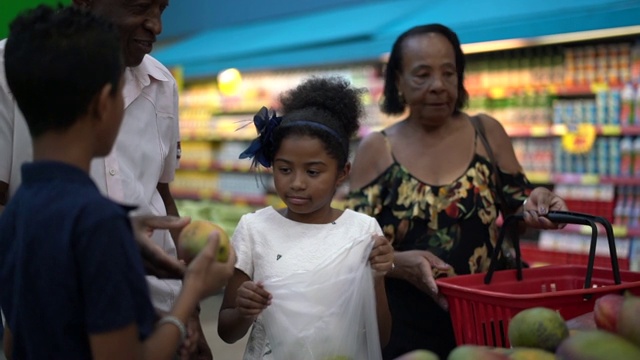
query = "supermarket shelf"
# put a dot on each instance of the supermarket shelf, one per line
(234, 199)
(593, 179)
(580, 179)
(561, 129)
(224, 197)
(226, 166)
(539, 177)
(536, 256)
(529, 130)
(501, 92)
(619, 231)
(212, 136)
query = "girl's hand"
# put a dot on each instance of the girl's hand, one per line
(252, 298)
(417, 267)
(539, 203)
(381, 256)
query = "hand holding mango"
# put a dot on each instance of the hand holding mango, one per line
(194, 237)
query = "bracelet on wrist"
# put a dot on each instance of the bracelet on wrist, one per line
(169, 319)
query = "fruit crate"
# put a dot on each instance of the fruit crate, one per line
(481, 305)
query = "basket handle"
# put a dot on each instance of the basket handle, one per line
(560, 217)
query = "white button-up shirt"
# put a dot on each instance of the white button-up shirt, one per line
(144, 154)
(15, 141)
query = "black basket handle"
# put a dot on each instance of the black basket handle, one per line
(560, 217)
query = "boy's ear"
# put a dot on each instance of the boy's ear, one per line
(101, 101)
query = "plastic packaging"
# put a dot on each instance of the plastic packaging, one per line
(328, 312)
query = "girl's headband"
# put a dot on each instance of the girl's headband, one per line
(266, 125)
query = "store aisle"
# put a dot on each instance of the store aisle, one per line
(209, 320)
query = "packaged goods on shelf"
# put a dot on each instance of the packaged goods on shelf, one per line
(579, 243)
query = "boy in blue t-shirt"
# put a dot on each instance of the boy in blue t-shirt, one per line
(73, 281)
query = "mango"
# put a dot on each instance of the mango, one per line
(629, 320)
(537, 327)
(419, 355)
(472, 352)
(597, 345)
(194, 236)
(530, 354)
(606, 310)
(582, 322)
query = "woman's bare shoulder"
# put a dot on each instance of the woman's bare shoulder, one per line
(372, 158)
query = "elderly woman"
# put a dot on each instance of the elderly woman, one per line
(432, 184)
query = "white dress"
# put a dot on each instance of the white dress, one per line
(269, 246)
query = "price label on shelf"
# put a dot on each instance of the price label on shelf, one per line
(579, 139)
(539, 130)
(590, 179)
(597, 87)
(610, 130)
(497, 92)
(620, 231)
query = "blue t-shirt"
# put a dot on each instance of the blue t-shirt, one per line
(69, 265)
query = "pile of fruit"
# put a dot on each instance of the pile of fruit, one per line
(611, 331)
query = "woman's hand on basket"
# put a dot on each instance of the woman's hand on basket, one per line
(252, 298)
(381, 256)
(538, 204)
(417, 267)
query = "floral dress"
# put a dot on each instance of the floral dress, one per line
(456, 222)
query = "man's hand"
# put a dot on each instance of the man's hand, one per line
(156, 261)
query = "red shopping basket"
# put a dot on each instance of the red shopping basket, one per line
(481, 305)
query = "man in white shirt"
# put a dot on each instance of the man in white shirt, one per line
(144, 158)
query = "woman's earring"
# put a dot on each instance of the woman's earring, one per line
(401, 97)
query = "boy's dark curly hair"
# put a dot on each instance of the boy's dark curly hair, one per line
(57, 59)
(329, 101)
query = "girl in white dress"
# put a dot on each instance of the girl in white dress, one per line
(308, 151)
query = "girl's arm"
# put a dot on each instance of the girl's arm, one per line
(381, 260)
(232, 323)
(382, 312)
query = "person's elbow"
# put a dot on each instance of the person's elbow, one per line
(225, 331)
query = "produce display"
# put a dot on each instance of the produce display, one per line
(537, 327)
(610, 331)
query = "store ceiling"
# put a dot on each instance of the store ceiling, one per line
(365, 32)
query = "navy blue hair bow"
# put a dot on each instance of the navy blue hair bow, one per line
(261, 146)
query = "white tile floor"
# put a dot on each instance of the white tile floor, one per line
(209, 320)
